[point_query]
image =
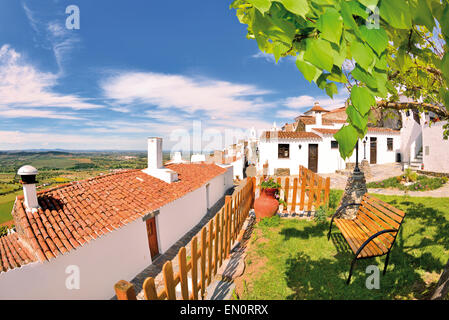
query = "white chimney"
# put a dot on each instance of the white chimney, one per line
(154, 153)
(28, 175)
(319, 119)
(155, 167)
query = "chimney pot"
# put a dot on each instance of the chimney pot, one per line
(28, 176)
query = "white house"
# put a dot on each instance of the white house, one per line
(423, 146)
(309, 142)
(74, 241)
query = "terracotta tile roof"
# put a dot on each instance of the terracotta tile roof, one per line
(341, 109)
(289, 135)
(76, 213)
(13, 253)
(318, 108)
(309, 120)
(383, 130)
(325, 131)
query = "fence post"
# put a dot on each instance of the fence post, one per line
(125, 290)
(149, 289)
(209, 252)
(194, 264)
(327, 189)
(167, 269)
(183, 273)
(203, 261)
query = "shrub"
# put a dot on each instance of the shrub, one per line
(334, 198)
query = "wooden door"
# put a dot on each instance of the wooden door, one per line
(373, 150)
(313, 157)
(152, 237)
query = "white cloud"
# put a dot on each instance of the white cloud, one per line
(296, 105)
(6, 112)
(270, 58)
(190, 94)
(13, 140)
(22, 85)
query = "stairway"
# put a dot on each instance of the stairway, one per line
(416, 164)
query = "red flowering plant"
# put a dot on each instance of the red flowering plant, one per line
(269, 183)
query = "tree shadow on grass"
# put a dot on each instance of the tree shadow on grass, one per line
(324, 278)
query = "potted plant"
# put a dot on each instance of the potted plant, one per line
(268, 202)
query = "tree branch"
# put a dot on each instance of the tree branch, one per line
(442, 113)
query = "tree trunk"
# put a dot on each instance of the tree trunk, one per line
(443, 285)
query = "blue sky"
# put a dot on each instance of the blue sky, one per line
(135, 69)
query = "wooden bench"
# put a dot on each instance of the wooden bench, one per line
(372, 232)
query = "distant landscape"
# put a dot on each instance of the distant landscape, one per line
(59, 167)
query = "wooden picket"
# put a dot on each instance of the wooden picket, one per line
(308, 191)
(216, 241)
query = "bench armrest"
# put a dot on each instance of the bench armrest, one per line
(336, 213)
(372, 238)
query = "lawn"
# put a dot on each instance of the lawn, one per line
(292, 259)
(6, 204)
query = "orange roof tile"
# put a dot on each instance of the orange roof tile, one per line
(326, 131)
(312, 120)
(289, 135)
(79, 212)
(13, 253)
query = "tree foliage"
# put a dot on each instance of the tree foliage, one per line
(377, 49)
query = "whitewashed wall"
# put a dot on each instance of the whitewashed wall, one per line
(177, 218)
(411, 137)
(121, 254)
(329, 159)
(435, 149)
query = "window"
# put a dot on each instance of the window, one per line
(283, 151)
(334, 144)
(390, 144)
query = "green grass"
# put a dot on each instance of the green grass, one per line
(6, 204)
(422, 183)
(296, 261)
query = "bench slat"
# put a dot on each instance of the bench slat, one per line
(387, 205)
(381, 241)
(373, 211)
(387, 238)
(354, 234)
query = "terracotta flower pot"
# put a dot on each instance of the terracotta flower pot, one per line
(266, 205)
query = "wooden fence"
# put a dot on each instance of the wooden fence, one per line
(303, 193)
(207, 253)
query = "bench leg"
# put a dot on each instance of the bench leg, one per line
(350, 270)
(329, 233)
(386, 262)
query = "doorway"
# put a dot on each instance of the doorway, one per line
(313, 157)
(152, 237)
(373, 150)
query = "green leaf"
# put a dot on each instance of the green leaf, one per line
(363, 55)
(330, 24)
(371, 4)
(362, 99)
(359, 74)
(299, 7)
(445, 68)
(348, 19)
(347, 138)
(319, 53)
(279, 49)
(261, 5)
(396, 13)
(444, 95)
(356, 119)
(309, 71)
(444, 21)
(422, 14)
(376, 38)
(331, 89)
